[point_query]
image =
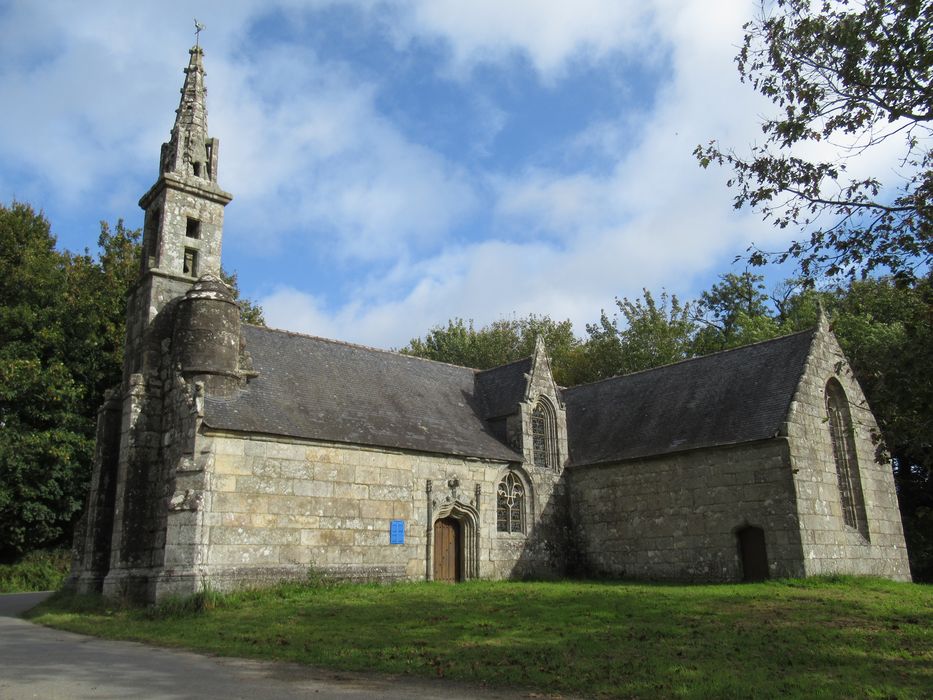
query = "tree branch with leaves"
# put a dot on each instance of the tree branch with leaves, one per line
(850, 74)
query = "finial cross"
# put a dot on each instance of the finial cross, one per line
(198, 28)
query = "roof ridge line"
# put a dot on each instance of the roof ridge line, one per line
(360, 346)
(513, 362)
(694, 359)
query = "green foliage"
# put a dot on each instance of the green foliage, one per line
(499, 343)
(42, 570)
(62, 330)
(45, 440)
(94, 302)
(733, 312)
(839, 637)
(61, 347)
(654, 334)
(853, 75)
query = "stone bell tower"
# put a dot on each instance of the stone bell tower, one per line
(182, 340)
(184, 214)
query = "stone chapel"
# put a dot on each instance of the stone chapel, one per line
(234, 455)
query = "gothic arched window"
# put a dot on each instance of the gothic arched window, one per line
(844, 454)
(543, 435)
(510, 504)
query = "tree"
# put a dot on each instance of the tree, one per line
(654, 334)
(499, 343)
(45, 440)
(62, 331)
(733, 312)
(850, 74)
(94, 301)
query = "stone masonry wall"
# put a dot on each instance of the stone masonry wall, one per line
(179, 202)
(829, 545)
(281, 508)
(676, 517)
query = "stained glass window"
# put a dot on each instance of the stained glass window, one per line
(510, 504)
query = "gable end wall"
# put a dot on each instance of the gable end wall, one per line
(829, 545)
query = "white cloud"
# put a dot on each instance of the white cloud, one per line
(298, 311)
(549, 33)
(567, 242)
(314, 163)
(310, 138)
(303, 146)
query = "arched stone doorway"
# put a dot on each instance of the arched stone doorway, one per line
(753, 554)
(454, 550)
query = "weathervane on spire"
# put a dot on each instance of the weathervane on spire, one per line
(198, 28)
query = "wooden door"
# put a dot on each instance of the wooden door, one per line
(753, 553)
(447, 550)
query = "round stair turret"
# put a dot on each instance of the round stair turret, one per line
(207, 336)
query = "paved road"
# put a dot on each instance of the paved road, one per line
(38, 662)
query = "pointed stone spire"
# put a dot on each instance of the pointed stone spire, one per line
(822, 319)
(183, 230)
(540, 348)
(190, 152)
(540, 373)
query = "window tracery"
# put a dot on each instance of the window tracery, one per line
(845, 457)
(543, 435)
(510, 504)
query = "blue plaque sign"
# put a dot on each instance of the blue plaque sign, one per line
(397, 532)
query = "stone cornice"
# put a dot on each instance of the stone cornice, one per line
(209, 192)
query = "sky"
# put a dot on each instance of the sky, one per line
(398, 164)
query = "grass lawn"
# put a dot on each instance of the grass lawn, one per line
(837, 638)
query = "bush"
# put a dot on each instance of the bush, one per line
(42, 570)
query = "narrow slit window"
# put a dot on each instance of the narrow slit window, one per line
(191, 262)
(152, 241)
(193, 228)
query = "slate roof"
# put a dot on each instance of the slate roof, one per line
(502, 388)
(726, 398)
(323, 389)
